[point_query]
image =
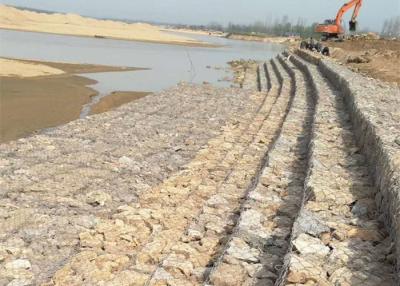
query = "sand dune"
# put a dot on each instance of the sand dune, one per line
(23, 69)
(71, 24)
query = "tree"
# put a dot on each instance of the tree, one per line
(391, 27)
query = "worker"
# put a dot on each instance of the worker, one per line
(312, 43)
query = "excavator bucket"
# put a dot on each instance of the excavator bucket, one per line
(353, 26)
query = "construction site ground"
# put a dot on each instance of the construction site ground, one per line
(376, 58)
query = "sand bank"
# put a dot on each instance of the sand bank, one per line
(10, 67)
(115, 99)
(28, 104)
(72, 24)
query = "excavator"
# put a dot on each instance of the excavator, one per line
(333, 29)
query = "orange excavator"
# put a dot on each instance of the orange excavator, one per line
(333, 28)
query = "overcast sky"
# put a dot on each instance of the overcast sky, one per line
(372, 15)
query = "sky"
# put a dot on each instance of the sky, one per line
(372, 15)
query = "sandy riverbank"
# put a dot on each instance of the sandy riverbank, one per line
(194, 32)
(30, 103)
(115, 99)
(72, 24)
(10, 68)
(261, 38)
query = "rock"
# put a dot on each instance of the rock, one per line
(89, 240)
(266, 282)
(161, 274)
(98, 198)
(239, 249)
(365, 234)
(363, 207)
(128, 278)
(302, 271)
(199, 272)
(88, 222)
(216, 200)
(347, 277)
(252, 229)
(358, 59)
(229, 275)
(5, 214)
(125, 161)
(217, 226)
(251, 268)
(326, 238)
(307, 222)
(339, 235)
(306, 244)
(194, 234)
(250, 219)
(266, 274)
(372, 36)
(18, 264)
(296, 277)
(20, 282)
(177, 264)
(254, 195)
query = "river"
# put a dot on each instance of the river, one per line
(167, 64)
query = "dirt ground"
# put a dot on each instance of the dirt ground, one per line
(33, 103)
(375, 58)
(29, 104)
(115, 99)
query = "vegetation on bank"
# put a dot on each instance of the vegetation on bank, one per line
(285, 27)
(279, 27)
(391, 27)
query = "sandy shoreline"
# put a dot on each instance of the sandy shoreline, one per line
(29, 104)
(116, 99)
(76, 68)
(194, 32)
(174, 43)
(75, 25)
(15, 68)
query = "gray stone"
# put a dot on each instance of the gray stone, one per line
(307, 222)
(306, 244)
(18, 264)
(98, 198)
(239, 249)
(20, 282)
(161, 274)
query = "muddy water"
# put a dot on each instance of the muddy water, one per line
(167, 64)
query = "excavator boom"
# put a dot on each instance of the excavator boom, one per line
(334, 28)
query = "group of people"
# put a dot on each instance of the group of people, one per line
(314, 45)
